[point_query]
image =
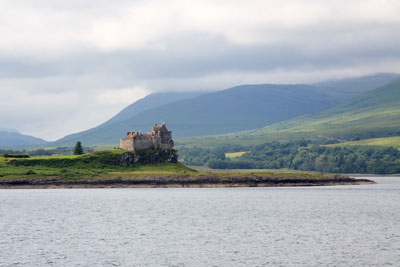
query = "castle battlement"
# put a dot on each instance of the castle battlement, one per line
(158, 138)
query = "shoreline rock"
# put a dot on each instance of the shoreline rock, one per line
(180, 181)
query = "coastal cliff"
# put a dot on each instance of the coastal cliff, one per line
(146, 157)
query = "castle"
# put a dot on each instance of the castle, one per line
(158, 138)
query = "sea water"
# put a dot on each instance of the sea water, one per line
(288, 226)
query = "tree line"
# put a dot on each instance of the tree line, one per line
(76, 150)
(299, 155)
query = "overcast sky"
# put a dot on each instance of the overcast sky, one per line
(68, 65)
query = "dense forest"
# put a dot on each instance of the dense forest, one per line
(300, 155)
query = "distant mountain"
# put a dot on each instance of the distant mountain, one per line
(149, 102)
(373, 114)
(12, 138)
(235, 109)
(8, 130)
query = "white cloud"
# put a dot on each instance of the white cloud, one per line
(122, 96)
(52, 27)
(66, 66)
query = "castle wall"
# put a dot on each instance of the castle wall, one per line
(126, 144)
(156, 142)
(165, 137)
(166, 146)
(142, 144)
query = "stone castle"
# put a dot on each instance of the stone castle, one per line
(158, 138)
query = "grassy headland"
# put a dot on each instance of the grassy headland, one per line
(104, 169)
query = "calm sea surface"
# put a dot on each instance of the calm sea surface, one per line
(309, 226)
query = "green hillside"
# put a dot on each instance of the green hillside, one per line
(352, 87)
(373, 114)
(299, 143)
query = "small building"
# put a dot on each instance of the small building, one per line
(158, 138)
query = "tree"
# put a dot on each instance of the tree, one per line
(78, 150)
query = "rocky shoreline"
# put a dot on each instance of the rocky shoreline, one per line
(181, 181)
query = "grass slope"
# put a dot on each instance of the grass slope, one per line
(374, 114)
(349, 88)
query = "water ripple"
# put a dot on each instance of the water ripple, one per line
(318, 226)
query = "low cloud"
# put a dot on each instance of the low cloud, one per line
(122, 96)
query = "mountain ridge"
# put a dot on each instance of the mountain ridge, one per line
(212, 113)
(223, 111)
(148, 102)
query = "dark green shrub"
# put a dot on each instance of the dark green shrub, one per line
(18, 156)
(30, 172)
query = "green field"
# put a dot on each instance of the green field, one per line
(386, 141)
(233, 155)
